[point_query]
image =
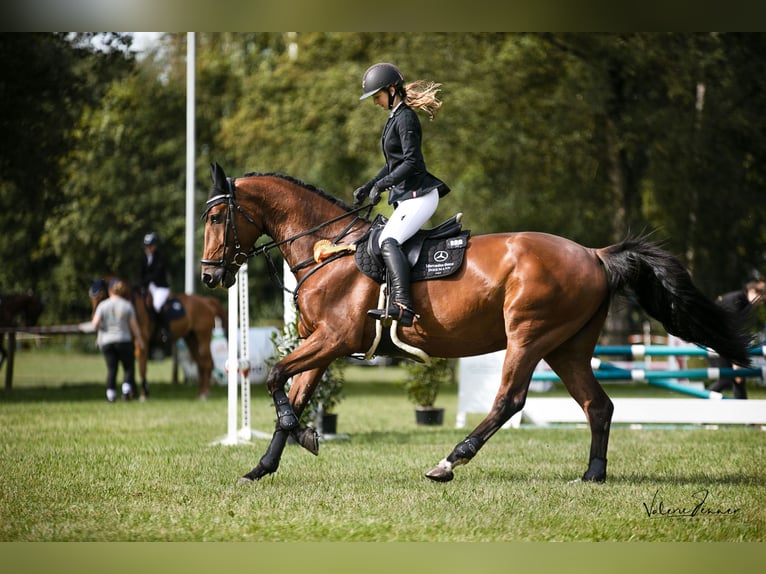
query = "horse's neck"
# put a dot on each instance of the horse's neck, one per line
(295, 213)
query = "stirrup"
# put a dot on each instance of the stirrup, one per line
(395, 312)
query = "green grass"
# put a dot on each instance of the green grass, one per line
(76, 468)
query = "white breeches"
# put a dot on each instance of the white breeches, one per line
(159, 296)
(409, 216)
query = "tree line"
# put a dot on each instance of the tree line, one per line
(589, 136)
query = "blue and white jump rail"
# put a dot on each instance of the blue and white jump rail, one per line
(478, 379)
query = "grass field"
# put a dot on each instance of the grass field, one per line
(76, 468)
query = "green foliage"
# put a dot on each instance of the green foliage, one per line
(423, 382)
(589, 136)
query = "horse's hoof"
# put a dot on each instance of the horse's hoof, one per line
(308, 438)
(244, 481)
(440, 474)
(596, 471)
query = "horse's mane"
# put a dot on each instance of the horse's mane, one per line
(312, 188)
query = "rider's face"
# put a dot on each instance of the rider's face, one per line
(381, 98)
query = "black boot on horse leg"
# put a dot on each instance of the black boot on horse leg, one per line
(398, 268)
(461, 454)
(269, 462)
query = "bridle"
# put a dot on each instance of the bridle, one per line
(240, 257)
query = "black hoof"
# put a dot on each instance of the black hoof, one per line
(256, 474)
(439, 474)
(308, 438)
(596, 471)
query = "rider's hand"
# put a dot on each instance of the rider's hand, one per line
(374, 195)
(360, 193)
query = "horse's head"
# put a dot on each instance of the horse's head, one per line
(97, 292)
(227, 245)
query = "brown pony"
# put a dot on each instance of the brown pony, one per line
(195, 327)
(537, 296)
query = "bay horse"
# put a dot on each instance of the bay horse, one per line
(535, 295)
(17, 310)
(195, 327)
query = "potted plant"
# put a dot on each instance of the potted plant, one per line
(422, 384)
(328, 394)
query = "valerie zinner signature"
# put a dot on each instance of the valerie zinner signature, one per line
(697, 506)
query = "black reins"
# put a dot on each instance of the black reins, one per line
(265, 249)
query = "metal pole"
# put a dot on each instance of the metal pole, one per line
(190, 145)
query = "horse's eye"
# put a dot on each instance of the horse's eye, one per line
(216, 218)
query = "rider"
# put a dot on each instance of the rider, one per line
(413, 191)
(154, 277)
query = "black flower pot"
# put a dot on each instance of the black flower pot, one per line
(329, 423)
(432, 416)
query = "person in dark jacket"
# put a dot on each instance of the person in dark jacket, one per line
(742, 303)
(412, 190)
(154, 278)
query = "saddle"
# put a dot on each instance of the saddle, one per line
(432, 253)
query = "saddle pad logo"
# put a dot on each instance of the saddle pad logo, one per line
(441, 256)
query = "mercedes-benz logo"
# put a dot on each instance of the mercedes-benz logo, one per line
(441, 256)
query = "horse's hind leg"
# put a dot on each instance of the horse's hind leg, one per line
(510, 398)
(571, 362)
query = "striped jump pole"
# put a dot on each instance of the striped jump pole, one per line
(662, 383)
(641, 351)
(607, 372)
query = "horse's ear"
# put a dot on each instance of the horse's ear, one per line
(218, 175)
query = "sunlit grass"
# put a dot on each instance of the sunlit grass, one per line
(76, 468)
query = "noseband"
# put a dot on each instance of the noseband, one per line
(240, 257)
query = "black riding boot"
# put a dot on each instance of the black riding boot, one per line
(400, 297)
(164, 331)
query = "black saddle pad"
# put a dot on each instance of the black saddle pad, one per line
(432, 253)
(175, 309)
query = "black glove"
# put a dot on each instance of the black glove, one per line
(374, 195)
(360, 193)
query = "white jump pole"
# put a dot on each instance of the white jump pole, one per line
(244, 351)
(231, 369)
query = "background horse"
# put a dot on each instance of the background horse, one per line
(195, 327)
(18, 310)
(538, 296)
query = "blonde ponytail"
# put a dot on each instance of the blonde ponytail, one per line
(421, 94)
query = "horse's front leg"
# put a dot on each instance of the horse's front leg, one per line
(286, 418)
(306, 364)
(269, 462)
(300, 392)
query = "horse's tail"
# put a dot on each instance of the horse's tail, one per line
(665, 290)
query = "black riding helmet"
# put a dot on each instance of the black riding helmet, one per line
(151, 239)
(379, 77)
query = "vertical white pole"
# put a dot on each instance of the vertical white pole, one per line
(190, 144)
(244, 351)
(288, 280)
(232, 364)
